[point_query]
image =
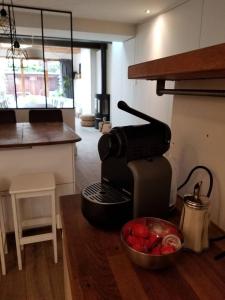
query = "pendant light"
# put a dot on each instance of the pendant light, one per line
(4, 20)
(15, 51)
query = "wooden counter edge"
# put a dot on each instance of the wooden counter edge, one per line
(72, 291)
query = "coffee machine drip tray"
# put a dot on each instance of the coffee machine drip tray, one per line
(104, 206)
(105, 194)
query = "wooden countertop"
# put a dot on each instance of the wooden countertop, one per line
(36, 134)
(99, 268)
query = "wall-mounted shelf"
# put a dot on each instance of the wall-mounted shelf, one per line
(205, 63)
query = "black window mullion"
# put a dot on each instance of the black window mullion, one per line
(13, 62)
(43, 56)
(71, 46)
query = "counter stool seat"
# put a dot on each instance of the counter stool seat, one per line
(32, 186)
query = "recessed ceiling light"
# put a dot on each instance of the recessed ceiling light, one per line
(147, 11)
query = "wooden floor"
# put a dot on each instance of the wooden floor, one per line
(40, 278)
(88, 165)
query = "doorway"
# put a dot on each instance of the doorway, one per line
(87, 80)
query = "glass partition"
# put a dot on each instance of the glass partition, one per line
(59, 61)
(44, 79)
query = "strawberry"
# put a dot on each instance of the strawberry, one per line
(156, 250)
(151, 240)
(136, 243)
(140, 230)
(127, 230)
(131, 240)
(138, 247)
(167, 249)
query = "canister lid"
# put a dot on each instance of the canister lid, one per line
(200, 203)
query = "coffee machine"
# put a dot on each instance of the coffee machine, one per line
(135, 176)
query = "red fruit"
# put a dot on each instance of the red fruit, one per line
(153, 237)
(156, 250)
(131, 240)
(138, 247)
(167, 249)
(151, 240)
(148, 244)
(140, 230)
(127, 230)
(136, 243)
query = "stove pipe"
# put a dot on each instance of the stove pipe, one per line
(102, 101)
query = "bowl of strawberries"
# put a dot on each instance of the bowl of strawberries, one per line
(151, 243)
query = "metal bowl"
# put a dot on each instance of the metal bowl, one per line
(147, 260)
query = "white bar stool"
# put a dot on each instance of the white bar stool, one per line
(3, 242)
(32, 186)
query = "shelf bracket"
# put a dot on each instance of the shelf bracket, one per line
(161, 90)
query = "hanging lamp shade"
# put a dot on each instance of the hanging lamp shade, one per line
(4, 21)
(15, 51)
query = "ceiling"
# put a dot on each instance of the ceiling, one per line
(125, 11)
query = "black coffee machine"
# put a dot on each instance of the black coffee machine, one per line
(135, 176)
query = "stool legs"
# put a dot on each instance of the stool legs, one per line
(2, 226)
(54, 233)
(20, 241)
(20, 230)
(2, 255)
(31, 186)
(3, 243)
(16, 227)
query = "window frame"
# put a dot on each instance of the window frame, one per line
(43, 40)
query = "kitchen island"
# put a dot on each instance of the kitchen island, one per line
(32, 148)
(96, 266)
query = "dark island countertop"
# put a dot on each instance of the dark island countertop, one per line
(36, 134)
(99, 268)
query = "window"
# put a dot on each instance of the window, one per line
(45, 79)
(30, 84)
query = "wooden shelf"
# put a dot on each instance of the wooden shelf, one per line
(205, 63)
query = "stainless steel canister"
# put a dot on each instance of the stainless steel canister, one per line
(194, 222)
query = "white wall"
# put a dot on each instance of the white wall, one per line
(122, 55)
(57, 25)
(89, 84)
(213, 20)
(94, 79)
(197, 123)
(98, 72)
(82, 86)
(167, 34)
